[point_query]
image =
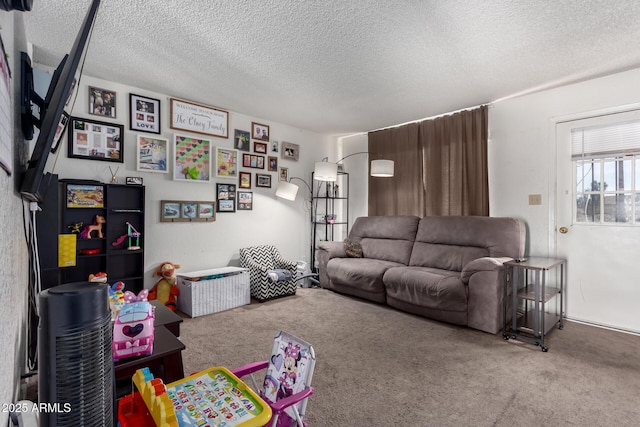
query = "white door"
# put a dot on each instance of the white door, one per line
(602, 248)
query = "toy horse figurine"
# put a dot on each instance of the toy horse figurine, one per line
(98, 220)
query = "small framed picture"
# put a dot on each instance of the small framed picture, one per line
(259, 147)
(226, 163)
(274, 146)
(245, 180)
(241, 140)
(134, 180)
(85, 196)
(290, 151)
(226, 195)
(189, 210)
(259, 131)
(102, 102)
(93, 140)
(169, 210)
(273, 164)
(144, 114)
(252, 161)
(263, 180)
(245, 200)
(207, 211)
(152, 154)
(284, 174)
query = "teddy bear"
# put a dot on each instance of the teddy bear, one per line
(165, 290)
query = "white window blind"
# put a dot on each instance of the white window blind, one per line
(599, 141)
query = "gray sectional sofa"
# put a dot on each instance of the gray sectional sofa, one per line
(447, 268)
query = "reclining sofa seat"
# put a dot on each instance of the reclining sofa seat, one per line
(386, 243)
(446, 268)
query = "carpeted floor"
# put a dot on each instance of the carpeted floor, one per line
(377, 366)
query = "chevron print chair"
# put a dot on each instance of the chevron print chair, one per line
(259, 260)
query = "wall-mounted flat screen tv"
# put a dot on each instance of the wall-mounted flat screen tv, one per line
(55, 109)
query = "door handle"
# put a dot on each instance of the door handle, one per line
(563, 230)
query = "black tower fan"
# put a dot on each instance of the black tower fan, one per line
(76, 373)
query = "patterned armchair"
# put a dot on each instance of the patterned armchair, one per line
(259, 260)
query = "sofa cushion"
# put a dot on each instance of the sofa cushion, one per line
(386, 238)
(362, 273)
(427, 287)
(451, 242)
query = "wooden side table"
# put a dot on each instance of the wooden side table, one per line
(165, 317)
(531, 293)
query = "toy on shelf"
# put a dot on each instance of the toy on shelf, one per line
(132, 235)
(166, 290)
(93, 251)
(98, 221)
(116, 298)
(76, 227)
(133, 331)
(100, 277)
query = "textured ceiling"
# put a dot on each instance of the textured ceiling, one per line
(337, 66)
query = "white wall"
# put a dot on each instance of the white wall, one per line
(13, 249)
(197, 246)
(522, 153)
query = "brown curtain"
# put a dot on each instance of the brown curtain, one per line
(440, 167)
(403, 194)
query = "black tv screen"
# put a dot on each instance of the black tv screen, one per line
(56, 108)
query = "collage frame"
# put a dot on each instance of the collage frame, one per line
(187, 211)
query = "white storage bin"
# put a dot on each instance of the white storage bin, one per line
(209, 291)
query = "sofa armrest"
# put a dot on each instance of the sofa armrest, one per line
(333, 249)
(482, 264)
(485, 280)
(327, 251)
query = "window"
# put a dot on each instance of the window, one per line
(607, 174)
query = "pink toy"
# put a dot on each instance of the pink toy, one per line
(133, 331)
(98, 220)
(142, 296)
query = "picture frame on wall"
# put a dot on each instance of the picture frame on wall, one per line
(253, 161)
(260, 131)
(152, 154)
(290, 151)
(263, 180)
(94, 140)
(284, 174)
(259, 147)
(273, 164)
(245, 200)
(226, 195)
(187, 211)
(226, 163)
(144, 114)
(245, 180)
(191, 158)
(102, 102)
(191, 117)
(241, 140)
(207, 210)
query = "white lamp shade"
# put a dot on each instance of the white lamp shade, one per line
(382, 168)
(325, 171)
(287, 190)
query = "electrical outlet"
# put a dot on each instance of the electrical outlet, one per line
(535, 199)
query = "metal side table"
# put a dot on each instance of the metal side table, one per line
(536, 306)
